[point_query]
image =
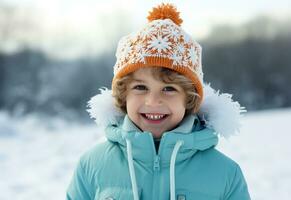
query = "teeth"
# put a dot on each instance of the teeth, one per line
(154, 117)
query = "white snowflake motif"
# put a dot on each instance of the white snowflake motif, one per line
(180, 48)
(139, 57)
(124, 48)
(138, 47)
(172, 32)
(175, 34)
(177, 59)
(127, 49)
(159, 43)
(148, 31)
(158, 22)
(187, 38)
(192, 55)
(123, 41)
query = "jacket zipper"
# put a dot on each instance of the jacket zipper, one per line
(156, 173)
(156, 178)
(157, 163)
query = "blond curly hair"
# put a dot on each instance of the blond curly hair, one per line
(119, 88)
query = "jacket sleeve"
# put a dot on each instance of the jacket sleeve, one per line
(238, 189)
(79, 188)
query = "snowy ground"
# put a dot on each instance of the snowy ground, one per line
(37, 156)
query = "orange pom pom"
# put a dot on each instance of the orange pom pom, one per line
(165, 11)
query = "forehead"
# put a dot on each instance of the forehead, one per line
(157, 72)
(142, 71)
(161, 74)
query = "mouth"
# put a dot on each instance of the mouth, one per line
(154, 117)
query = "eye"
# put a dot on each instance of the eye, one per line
(169, 89)
(139, 87)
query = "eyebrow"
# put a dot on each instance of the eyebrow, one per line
(138, 80)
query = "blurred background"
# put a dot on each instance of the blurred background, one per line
(55, 55)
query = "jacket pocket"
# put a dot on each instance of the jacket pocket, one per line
(116, 193)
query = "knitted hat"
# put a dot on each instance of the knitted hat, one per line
(161, 43)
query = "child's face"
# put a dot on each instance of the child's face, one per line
(153, 105)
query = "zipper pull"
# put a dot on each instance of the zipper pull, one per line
(157, 163)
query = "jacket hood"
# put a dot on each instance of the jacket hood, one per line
(218, 111)
(190, 132)
(175, 146)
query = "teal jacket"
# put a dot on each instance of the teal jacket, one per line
(186, 166)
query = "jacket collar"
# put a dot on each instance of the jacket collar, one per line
(194, 136)
(185, 126)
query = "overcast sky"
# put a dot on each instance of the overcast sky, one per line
(81, 22)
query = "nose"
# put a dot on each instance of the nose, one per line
(153, 99)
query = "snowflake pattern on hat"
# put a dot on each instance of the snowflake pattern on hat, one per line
(162, 39)
(161, 43)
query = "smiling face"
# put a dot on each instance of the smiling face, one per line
(153, 105)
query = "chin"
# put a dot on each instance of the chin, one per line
(157, 135)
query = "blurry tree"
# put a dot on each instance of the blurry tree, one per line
(255, 68)
(21, 83)
(68, 85)
(251, 61)
(1, 80)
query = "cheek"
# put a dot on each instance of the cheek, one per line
(132, 104)
(180, 110)
(178, 102)
(180, 107)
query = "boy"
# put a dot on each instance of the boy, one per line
(158, 146)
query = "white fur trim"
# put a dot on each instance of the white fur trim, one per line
(219, 111)
(102, 109)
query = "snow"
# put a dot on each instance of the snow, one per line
(38, 155)
(263, 152)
